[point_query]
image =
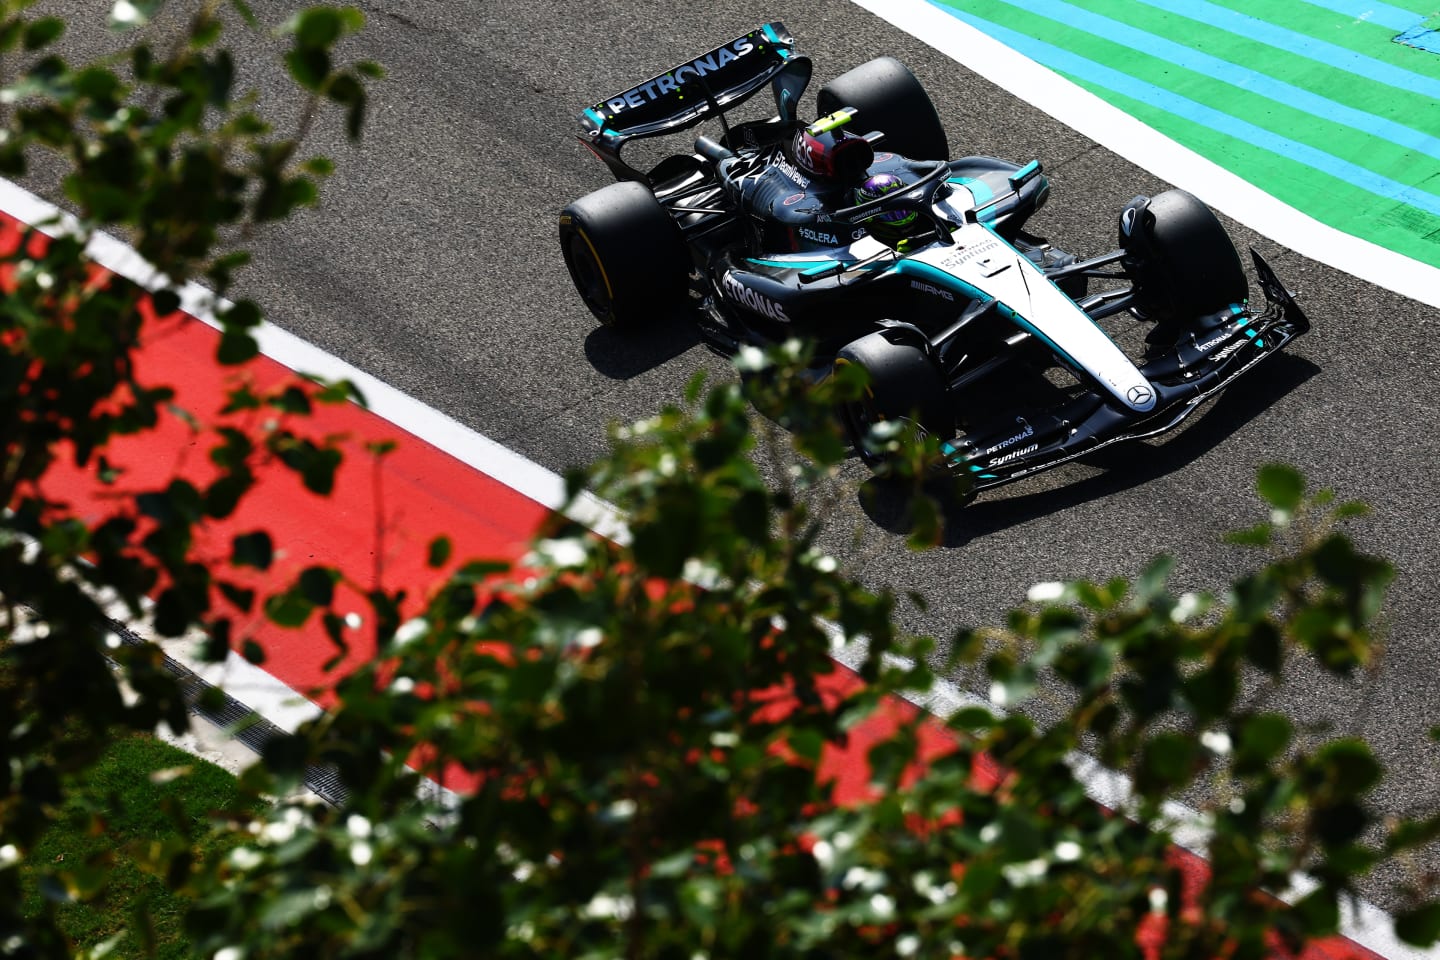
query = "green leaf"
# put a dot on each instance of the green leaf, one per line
(242, 598)
(317, 584)
(972, 718)
(1259, 535)
(1281, 486)
(440, 551)
(1319, 912)
(1167, 762)
(1259, 739)
(245, 12)
(252, 550)
(43, 32)
(1350, 766)
(1419, 927)
(288, 609)
(309, 67)
(165, 302)
(236, 348)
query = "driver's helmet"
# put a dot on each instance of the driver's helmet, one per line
(887, 224)
(831, 155)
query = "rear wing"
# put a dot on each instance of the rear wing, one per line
(685, 95)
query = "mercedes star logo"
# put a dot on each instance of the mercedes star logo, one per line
(1138, 395)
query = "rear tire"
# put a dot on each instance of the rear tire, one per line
(625, 255)
(888, 98)
(904, 383)
(1181, 260)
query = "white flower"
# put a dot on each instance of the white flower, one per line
(402, 685)
(277, 832)
(358, 826)
(908, 945)
(862, 878)
(561, 554)
(702, 574)
(361, 853)
(990, 833)
(1216, 741)
(621, 809)
(9, 856)
(229, 953)
(1067, 851)
(353, 620)
(1237, 806)
(1159, 899)
(882, 906)
(824, 854)
(604, 906)
(1026, 873)
(588, 638)
(750, 359)
(999, 694)
(1185, 608)
(410, 631)
(1046, 592)
(126, 14)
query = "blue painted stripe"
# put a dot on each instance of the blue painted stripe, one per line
(1291, 41)
(1187, 109)
(1381, 13)
(771, 35)
(1232, 74)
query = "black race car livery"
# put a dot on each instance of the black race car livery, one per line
(857, 232)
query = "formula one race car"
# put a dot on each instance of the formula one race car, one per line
(856, 232)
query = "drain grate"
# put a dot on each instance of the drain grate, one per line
(252, 730)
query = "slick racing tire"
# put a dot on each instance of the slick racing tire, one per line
(625, 255)
(904, 383)
(887, 97)
(1179, 257)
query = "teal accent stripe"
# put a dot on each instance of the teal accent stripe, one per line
(792, 264)
(976, 188)
(1026, 170)
(771, 35)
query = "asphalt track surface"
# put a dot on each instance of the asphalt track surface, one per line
(432, 264)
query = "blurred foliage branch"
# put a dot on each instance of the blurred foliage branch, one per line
(643, 733)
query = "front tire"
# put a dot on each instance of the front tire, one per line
(1179, 257)
(888, 98)
(904, 384)
(625, 255)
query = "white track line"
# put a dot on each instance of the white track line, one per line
(1121, 133)
(276, 701)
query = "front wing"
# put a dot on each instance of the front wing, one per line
(1182, 381)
